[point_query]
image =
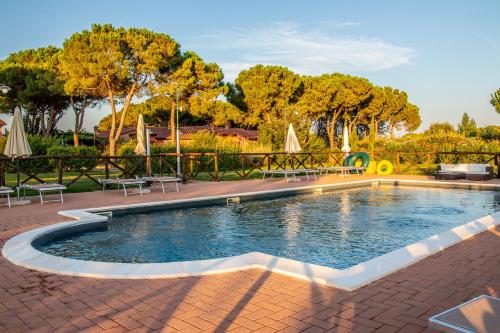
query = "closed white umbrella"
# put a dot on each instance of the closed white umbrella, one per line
(140, 148)
(17, 143)
(292, 145)
(345, 142)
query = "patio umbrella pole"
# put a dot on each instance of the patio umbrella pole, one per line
(18, 179)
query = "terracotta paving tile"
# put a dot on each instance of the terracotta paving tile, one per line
(246, 301)
(199, 323)
(387, 329)
(128, 322)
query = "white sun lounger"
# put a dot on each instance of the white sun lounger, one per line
(289, 172)
(124, 183)
(6, 191)
(43, 190)
(479, 315)
(342, 170)
(163, 180)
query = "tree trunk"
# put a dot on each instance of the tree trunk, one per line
(172, 124)
(112, 141)
(76, 141)
(76, 132)
(124, 111)
(372, 136)
(331, 129)
(112, 146)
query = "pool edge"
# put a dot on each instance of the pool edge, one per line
(19, 249)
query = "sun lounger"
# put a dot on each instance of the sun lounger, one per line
(43, 190)
(290, 172)
(124, 183)
(6, 191)
(343, 170)
(481, 315)
(163, 180)
(314, 172)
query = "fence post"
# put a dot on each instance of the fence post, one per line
(106, 167)
(497, 159)
(429, 172)
(191, 169)
(268, 156)
(183, 169)
(216, 166)
(243, 158)
(60, 166)
(2, 173)
(148, 165)
(398, 168)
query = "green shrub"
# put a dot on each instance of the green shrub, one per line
(3, 142)
(39, 146)
(76, 157)
(490, 133)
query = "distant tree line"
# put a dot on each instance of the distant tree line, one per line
(139, 71)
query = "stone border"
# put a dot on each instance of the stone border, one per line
(20, 251)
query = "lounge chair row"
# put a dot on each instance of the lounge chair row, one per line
(290, 174)
(44, 189)
(139, 182)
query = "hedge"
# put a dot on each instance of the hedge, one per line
(75, 163)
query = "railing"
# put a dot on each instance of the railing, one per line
(85, 171)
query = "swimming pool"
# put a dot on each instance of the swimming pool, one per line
(337, 229)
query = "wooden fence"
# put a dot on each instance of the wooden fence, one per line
(86, 170)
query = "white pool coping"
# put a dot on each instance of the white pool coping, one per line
(19, 249)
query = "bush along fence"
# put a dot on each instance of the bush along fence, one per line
(82, 172)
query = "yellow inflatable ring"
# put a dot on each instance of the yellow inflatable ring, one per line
(384, 168)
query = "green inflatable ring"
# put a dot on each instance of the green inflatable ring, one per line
(384, 168)
(351, 159)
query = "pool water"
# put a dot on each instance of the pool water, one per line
(336, 229)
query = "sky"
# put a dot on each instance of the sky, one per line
(444, 54)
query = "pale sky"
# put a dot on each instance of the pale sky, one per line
(444, 54)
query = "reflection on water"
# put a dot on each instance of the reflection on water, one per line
(336, 229)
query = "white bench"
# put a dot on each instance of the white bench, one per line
(6, 191)
(162, 180)
(44, 189)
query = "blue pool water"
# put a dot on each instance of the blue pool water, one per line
(336, 229)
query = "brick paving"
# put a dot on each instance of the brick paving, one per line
(246, 301)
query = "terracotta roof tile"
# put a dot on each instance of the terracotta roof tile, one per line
(163, 133)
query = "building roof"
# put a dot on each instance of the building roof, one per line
(2, 123)
(164, 133)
